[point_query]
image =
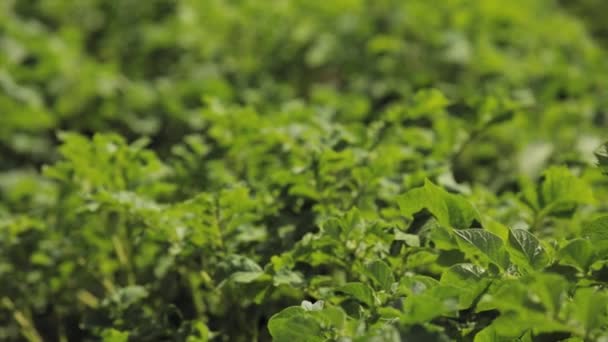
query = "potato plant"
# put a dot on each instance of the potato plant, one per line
(303, 170)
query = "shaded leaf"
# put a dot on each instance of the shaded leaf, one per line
(381, 273)
(359, 291)
(293, 324)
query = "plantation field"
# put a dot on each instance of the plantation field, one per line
(303, 170)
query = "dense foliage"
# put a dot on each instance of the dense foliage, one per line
(303, 170)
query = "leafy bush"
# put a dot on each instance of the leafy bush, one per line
(346, 170)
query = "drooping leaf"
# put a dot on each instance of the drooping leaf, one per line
(449, 209)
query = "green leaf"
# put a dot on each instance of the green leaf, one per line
(463, 275)
(127, 296)
(246, 277)
(427, 102)
(561, 188)
(550, 289)
(532, 302)
(597, 231)
(537, 294)
(527, 249)
(287, 277)
(489, 334)
(113, 335)
(381, 273)
(411, 285)
(497, 119)
(359, 291)
(578, 253)
(333, 317)
(411, 240)
(384, 333)
(590, 309)
(294, 325)
(203, 333)
(438, 301)
(449, 209)
(471, 279)
(602, 157)
(487, 243)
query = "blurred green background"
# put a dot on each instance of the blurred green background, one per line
(145, 68)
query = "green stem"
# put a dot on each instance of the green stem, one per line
(122, 248)
(28, 329)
